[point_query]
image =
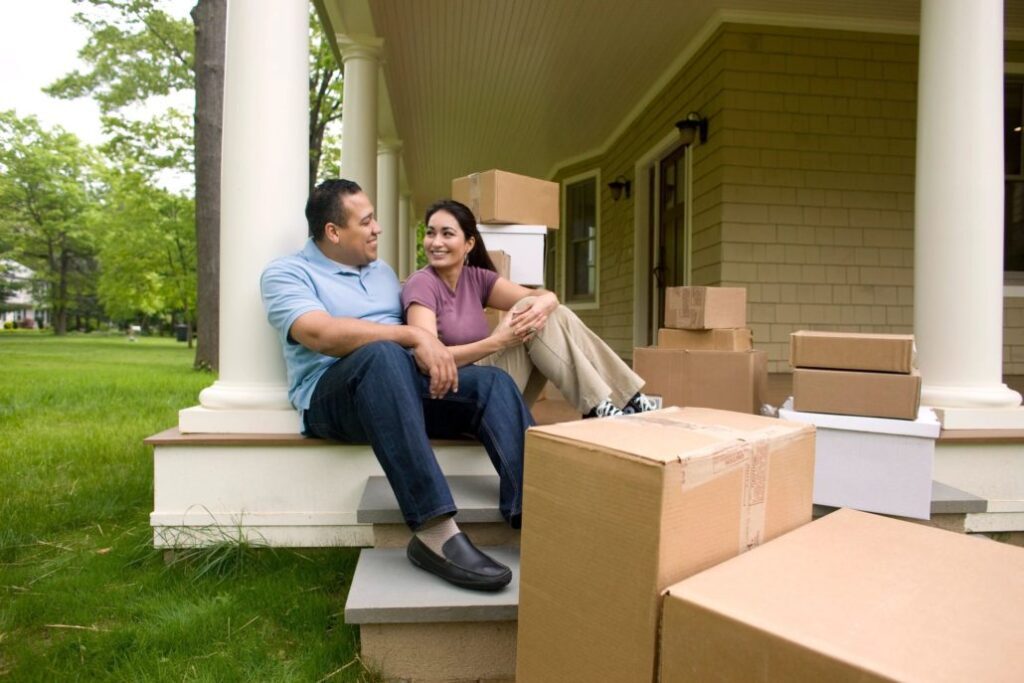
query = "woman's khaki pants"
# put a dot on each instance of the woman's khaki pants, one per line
(573, 358)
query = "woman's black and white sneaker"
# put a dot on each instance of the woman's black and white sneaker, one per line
(640, 403)
(604, 409)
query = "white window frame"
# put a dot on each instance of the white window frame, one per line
(563, 242)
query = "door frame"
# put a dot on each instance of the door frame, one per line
(644, 328)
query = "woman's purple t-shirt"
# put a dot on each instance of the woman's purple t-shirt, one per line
(460, 314)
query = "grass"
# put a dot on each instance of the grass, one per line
(83, 595)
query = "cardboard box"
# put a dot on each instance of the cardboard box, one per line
(524, 245)
(737, 339)
(845, 392)
(503, 197)
(851, 597)
(873, 464)
(848, 351)
(705, 308)
(493, 316)
(502, 261)
(728, 380)
(618, 509)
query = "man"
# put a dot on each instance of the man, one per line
(357, 374)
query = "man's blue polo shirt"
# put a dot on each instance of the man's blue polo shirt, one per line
(309, 281)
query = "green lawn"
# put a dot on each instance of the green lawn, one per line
(83, 596)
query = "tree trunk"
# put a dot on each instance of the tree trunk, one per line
(210, 19)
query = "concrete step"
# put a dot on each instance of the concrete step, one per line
(475, 495)
(415, 627)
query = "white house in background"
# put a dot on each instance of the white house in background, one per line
(21, 306)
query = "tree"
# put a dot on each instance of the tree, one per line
(47, 186)
(137, 50)
(325, 95)
(210, 20)
(147, 248)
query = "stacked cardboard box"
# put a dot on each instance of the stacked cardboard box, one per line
(851, 597)
(617, 510)
(705, 355)
(514, 212)
(870, 375)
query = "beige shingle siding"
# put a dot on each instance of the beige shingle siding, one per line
(804, 192)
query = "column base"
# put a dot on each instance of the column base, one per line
(977, 397)
(202, 420)
(981, 418)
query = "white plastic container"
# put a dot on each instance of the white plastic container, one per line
(873, 464)
(524, 244)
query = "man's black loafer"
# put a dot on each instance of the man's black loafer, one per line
(463, 564)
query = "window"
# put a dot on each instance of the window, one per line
(1013, 225)
(550, 254)
(581, 240)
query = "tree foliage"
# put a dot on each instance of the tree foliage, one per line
(148, 250)
(47, 193)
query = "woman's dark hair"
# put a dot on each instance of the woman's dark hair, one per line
(478, 256)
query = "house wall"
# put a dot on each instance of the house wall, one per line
(804, 192)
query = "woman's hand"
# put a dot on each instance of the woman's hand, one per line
(532, 319)
(503, 333)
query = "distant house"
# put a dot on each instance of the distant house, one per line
(21, 307)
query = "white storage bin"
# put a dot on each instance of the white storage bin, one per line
(873, 464)
(525, 245)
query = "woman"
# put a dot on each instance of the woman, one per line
(538, 340)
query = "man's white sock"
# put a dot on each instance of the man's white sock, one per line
(435, 532)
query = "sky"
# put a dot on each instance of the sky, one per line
(39, 43)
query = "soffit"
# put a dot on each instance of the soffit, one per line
(524, 85)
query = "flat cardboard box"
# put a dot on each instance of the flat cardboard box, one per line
(502, 261)
(871, 463)
(849, 351)
(524, 245)
(705, 308)
(851, 597)
(619, 509)
(728, 380)
(502, 197)
(869, 394)
(736, 339)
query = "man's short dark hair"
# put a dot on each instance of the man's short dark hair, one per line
(325, 205)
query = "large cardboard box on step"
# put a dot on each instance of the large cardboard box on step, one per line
(736, 339)
(728, 380)
(618, 509)
(870, 394)
(872, 463)
(502, 197)
(851, 597)
(849, 351)
(705, 308)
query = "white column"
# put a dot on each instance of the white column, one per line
(387, 203)
(263, 180)
(361, 57)
(958, 233)
(406, 238)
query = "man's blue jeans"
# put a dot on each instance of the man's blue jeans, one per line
(376, 394)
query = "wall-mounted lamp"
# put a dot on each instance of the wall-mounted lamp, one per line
(692, 128)
(618, 185)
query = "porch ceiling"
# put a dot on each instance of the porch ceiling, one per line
(527, 85)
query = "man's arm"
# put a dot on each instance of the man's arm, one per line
(323, 333)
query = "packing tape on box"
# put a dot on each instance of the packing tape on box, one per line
(474, 194)
(749, 452)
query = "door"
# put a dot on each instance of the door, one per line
(670, 259)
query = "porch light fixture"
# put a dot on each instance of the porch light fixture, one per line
(692, 128)
(618, 185)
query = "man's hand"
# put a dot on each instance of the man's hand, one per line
(435, 360)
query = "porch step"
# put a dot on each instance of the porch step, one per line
(415, 627)
(476, 496)
(950, 500)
